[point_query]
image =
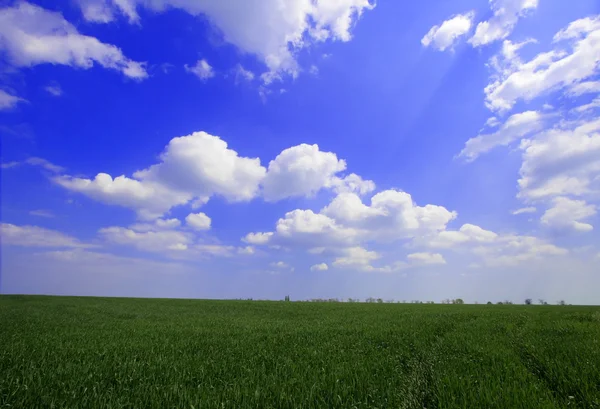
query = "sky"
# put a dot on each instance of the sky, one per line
(317, 149)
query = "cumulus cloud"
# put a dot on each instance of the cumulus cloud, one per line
(308, 229)
(566, 213)
(150, 200)
(319, 267)
(356, 257)
(201, 69)
(158, 224)
(257, 238)
(446, 34)
(467, 234)
(195, 166)
(301, 170)
(348, 222)
(292, 25)
(8, 101)
(34, 236)
(426, 258)
(573, 60)
(198, 221)
(31, 35)
(501, 24)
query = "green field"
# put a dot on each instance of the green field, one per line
(144, 353)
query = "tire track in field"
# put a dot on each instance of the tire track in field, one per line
(539, 370)
(420, 392)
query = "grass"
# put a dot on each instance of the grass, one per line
(143, 353)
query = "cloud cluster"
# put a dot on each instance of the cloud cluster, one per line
(560, 149)
(31, 35)
(195, 167)
(501, 24)
(506, 13)
(270, 29)
(573, 60)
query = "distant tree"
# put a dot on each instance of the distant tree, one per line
(489, 303)
(542, 301)
(508, 302)
(287, 298)
(370, 299)
(562, 302)
(380, 300)
(499, 303)
(458, 301)
(390, 301)
(528, 301)
(350, 299)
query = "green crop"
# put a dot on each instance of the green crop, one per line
(71, 352)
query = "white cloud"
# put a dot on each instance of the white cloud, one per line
(467, 234)
(153, 241)
(42, 213)
(34, 236)
(257, 238)
(564, 160)
(492, 122)
(523, 210)
(198, 221)
(8, 101)
(426, 258)
(595, 104)
(308, 229)
(203, 165)
(31, 35)
(512, 250)
(565, 214)
(150, 200)
(445, 35)
(301, 170)
(550, 70)
(54, 90)
(202, 70)
(270, 29)
(43, 163)
(98, 11)
(242, 74)
(353, 183)
(502, 23)
(347, 222)
(586, 87)
(280, 264)
(357, 257)
(516, 127)
(195, 166)
(246, 250)
(319, 267)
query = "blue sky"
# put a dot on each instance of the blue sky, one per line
(228, 149)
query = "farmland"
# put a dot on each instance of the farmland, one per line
(159, 353)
